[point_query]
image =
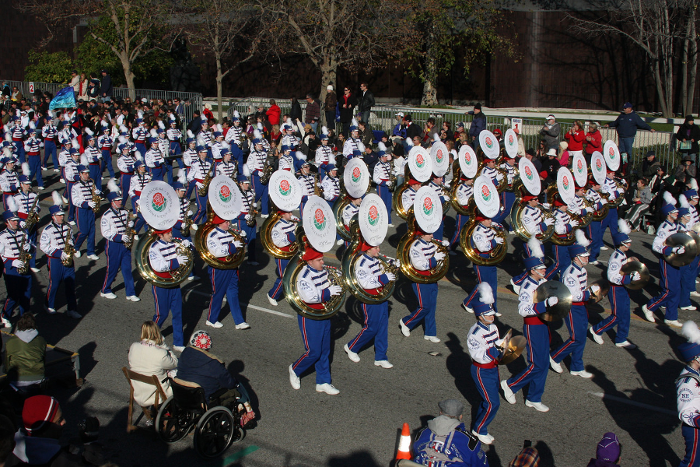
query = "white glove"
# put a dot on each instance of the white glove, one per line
(551, 301)
(397, 263)
(22, 224)
(549, 221)
(445, 243)
(237, 244)
(574, 223)
(27, 246)
(17, 263)
(187, 243)
(439, 256)
(595, 289)
(391, 276)
(603, 201)
(242, 233)
(64, 256)
(335, 289)
(182, 259)
(248, 217)
(92, 204)
(499, 240)
(130, 224)
(189, 212)
(546, 205)
(199, 185)
(635, 276)
(679, 249)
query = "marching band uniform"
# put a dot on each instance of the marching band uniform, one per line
(114, 225)
(687, 217)
(164, 258)
(324, 156)
(63, 158)
(199, 171)
(409, 194)
(32, 148)
(164, 149)
(536, 333)
(563, 225)
(248, 212)
(25, 201)
(49, 132)
(125, 164)
(139, 134)
(424, 257)
(611, 189)
(575, 278)
(137, 183)
(331, 185)
(484, 241)
(71, 175)
(437, 188)
(8, 181)
(594, 230)
(18, 286)
(221, 243)
(105, 143)
(670, 275)
(535, 224)
(688, 399)
(314, 289)
(256, 164)
(54, 239)
(492, 173)
(154, 160)
(227, 168)
(18, 133)
(372, 277)
(82, 200)
(174, 136)
(382, 177)
(353, 146)
(507, 196)
(348, 213)
(94, 157)
(464, 193)
(286, 161)
(283, 237)
(307, 183)
(188, 158)
(235, 134)
(482, 341)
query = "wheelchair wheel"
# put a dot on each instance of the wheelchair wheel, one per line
(173, 423)
(215, 432)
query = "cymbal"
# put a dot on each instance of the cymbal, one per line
(636, 266)
(554, 289)
(691, 249)
(515, 348)
(604, 287)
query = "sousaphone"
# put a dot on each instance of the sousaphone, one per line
(598, 170)
(528, 182)
(420, 166)
(355, 183)
(467, 164)
(488, 202)
(285, 195)
(441, 164)
(490, 149)
(567, 191)
(611, 153)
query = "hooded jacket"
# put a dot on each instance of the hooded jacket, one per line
(26, 351)
(447, 443)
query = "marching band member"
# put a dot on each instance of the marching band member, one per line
(32, 147)
(437, 184)
(14, 240)
(105, 143)
(25, 203)
(614, 193)
(125, 164)
(138, 182)
(221, 243)
(18, 133)
(174, 135)
(324, 154)
(594, 230)
(139, 134)
(154, 160)
(164, 149)
(688, 394)
(283, 237)
(218, 144)
(670, 275)
(465, 191)
(331, 185)
(63, 157)
(537, 334)
(198, 172)
(382, 177)
(71, 175)
(82, 200)
(54, 239)
(617, 295)
(482, 341)
(563, 225)
(94, 160)
(484, 240)
(490, 171)
(371, 276)
(575, 278)
(409, 195)
(49, 132)
(180, 187)
(315, 289)
(225, 167)
(256, 165)
(507, 196)
(115, 225)
(235, 134)
(689, 272)
(247, 215)
(535, 224)
(353, 146)
(306, 180)
(164, 258)
(189, 156)
(424, 256)
(349, 211)
(286, 161)
(204, 137)
(8, 180)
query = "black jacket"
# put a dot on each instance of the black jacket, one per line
(203, 368)
(366, 102)
(688, 132)
(346, 114)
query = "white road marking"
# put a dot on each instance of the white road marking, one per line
(248, 305)
(634, 403)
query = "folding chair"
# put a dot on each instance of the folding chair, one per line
(160, 396)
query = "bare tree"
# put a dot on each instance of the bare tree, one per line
(657, 27)
(222, 27)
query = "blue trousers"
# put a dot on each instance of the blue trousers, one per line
(167, 300)
(438, 234)
(610, 222)
(277, 290)
(577, 323)
(427, 301)
(50, 150)
(140, 222)
(595, 235)
(140, 147)
(562, 260)
(124, 184)
(537, 336)
(376, 326)
(488, 274)
(620, 316)
(175, 148)
(107, 162)
(59, 273)
(168, 168)
(86, 227)
(224, 282)
(33, 240)
(19, 291)
(385, 195)
(96, 174)
(251, 233)
(486, 381)
(19, 150)
(190, 187)
(692, 446)
(261, 192)
(688, 274)
(316, 335)
(461, 220)
(157, 173)
(670, 290)
(118, 257)
(625, 145)
(507, 200)
(35, 170)
(201, 215)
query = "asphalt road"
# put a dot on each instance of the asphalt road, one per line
(632, 393)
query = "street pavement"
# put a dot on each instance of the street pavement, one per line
(632, 393)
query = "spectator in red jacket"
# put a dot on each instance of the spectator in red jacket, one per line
(594, 141)
(273, 113)
(575, 137)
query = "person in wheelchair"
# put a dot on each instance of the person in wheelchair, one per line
(199, 366)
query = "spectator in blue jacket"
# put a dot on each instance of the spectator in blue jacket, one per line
(627, 124)
(197, 365)
(478, 125)
(447, 442)
(106, 87)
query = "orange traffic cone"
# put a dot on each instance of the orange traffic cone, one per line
(404, 451)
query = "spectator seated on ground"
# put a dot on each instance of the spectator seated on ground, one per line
(199, 366)
(528, 457)
(150, 356)
(25, 354)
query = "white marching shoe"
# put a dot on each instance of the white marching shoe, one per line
(598, 339)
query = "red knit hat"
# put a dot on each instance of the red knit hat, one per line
(413, 181)
(543, 174)
(217, 220)
(558, 201)
(480, 217)
(38, 412)
(366, 246)
(161, 232)
(311, 253)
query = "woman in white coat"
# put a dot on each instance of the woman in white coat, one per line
(150, 356)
